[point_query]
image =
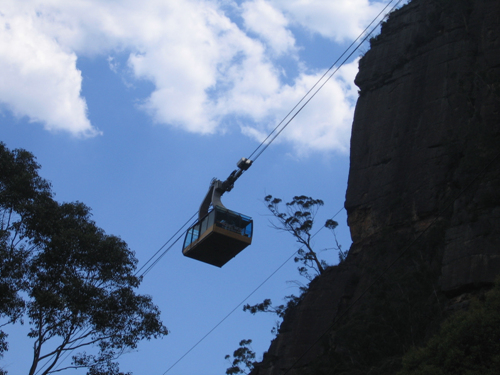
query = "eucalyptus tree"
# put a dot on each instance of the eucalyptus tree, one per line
(297, 218)
(74, 284)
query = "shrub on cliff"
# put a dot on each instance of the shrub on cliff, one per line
(467, 344)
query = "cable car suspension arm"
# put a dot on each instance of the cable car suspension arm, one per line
(217, 187)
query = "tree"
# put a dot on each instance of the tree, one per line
(280, 310)
(243, 359)
(74, 283)
(298, 220)
(21, 191)
(332, 224)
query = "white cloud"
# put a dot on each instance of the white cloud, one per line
(270, 24)
(325, 122)
(39, 79)
(203, 66)
(339, 20)
(202, 51)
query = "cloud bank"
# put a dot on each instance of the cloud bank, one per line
(208, 60)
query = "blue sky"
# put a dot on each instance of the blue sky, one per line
(133, 107)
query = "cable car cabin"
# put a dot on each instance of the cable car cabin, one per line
(218, 237)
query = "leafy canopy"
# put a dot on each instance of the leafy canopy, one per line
(73, 283)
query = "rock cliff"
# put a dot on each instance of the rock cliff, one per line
(423, 197)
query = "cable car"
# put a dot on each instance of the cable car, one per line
(219, 234)
(218, 237)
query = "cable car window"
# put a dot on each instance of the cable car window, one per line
(204, 224)
(233, 222)
(189, 235)
(192, 235)
(210, 219)
(247, 231)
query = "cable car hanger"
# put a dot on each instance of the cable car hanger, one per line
(220, 234)
(217, 187)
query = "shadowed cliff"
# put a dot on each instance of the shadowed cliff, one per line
(423, 197)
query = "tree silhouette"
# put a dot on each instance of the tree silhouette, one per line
(298, 220)
(243, 359)
(74, 283)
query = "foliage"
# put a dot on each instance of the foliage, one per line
(73, 282)
(265, 306)
(21, 192)
(281, 310)
(298, 220)
(467, 344)
(332, 224)
(243, 359)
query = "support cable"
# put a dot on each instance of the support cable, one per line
(265, 145)
(229, 314)
(181, 229)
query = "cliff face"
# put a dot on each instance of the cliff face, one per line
(423, 197)
(426, 126)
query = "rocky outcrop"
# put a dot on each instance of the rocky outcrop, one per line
(423, 197)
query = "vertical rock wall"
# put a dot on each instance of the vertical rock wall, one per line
(426, 134)
(423, 197)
